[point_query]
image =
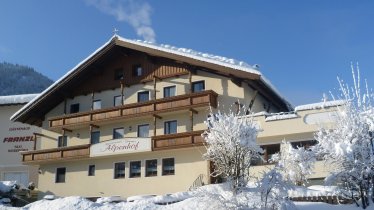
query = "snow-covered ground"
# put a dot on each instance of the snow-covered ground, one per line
(213, 197)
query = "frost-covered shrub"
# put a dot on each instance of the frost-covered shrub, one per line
(297, 162)
(273, 189)
(231, 145)
(348, 148)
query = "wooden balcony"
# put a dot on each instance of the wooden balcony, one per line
(175, 103)
(162, 142)
(56, 154)
(178, 140)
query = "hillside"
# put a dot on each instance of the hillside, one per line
(17, 79)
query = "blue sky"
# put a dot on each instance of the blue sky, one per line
(301, 46)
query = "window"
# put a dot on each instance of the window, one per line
(198, 86)
(118, 74)
(74, 108)
(91, 170)
(169, 91)
(143, 130)
(96, 104)
(270, 150)
(170, 127)
(95, 137)
(62, 141)
(137, 70)
(168, 166)
(119, 170)
(305, 144)
(151, 167)
(117, 101)
(143, 96)
(60, 175)
(118, 133)
(135, 168)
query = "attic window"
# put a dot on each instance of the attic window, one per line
(118, 74)
(137, 70)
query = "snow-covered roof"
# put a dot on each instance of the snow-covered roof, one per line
(206, 57)
(280, 116)
(199, 56)
(320, 105)
(16, 99)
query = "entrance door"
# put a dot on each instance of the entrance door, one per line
(20, 177)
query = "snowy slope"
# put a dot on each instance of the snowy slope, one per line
(207, 197)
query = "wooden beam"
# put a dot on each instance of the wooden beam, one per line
(154, 88)
(67, 130)
(190, 81)
(39, 134)
(157, 77)
(157, 116)
(94, 126)
(236, 81)
(122, 91)
(253, 100)
(194, 111)
(35, 141)
(65, 108)
(154, 125)
(268, 95)
(191, 120)
(92, 99)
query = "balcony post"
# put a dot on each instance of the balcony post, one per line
(92, 99)
(122, 93)
(154, 125)
(65, 103)
(34, 141)
(190, 81)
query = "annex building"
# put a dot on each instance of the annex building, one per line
(16, 137)
(128, 119)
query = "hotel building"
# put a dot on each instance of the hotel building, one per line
(128, 119)
(14, 138)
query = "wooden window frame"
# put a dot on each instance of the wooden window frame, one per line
(58, 179)
(115, 171)
(72, 111)
(171, 86)
(169, 121)
(166, 172)
(90, 171)
(138, 130)
(147, 174)
(92, 135)
(118, 129)
(139, 174)
(196, 82)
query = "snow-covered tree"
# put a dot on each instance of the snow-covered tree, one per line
(298, 163)
(273, 188)
(348, 148)
(231, 145)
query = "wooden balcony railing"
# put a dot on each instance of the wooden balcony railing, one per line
(178, 140)
(56, 154)
(162, 142)
(174, 103)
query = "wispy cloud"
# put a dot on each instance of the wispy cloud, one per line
(135, 12)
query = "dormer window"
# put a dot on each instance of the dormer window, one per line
(137, 70)
(198, 86)
(74, 108)
(96, 104)
(118, 74)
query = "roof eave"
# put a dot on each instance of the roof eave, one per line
(21, 115)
